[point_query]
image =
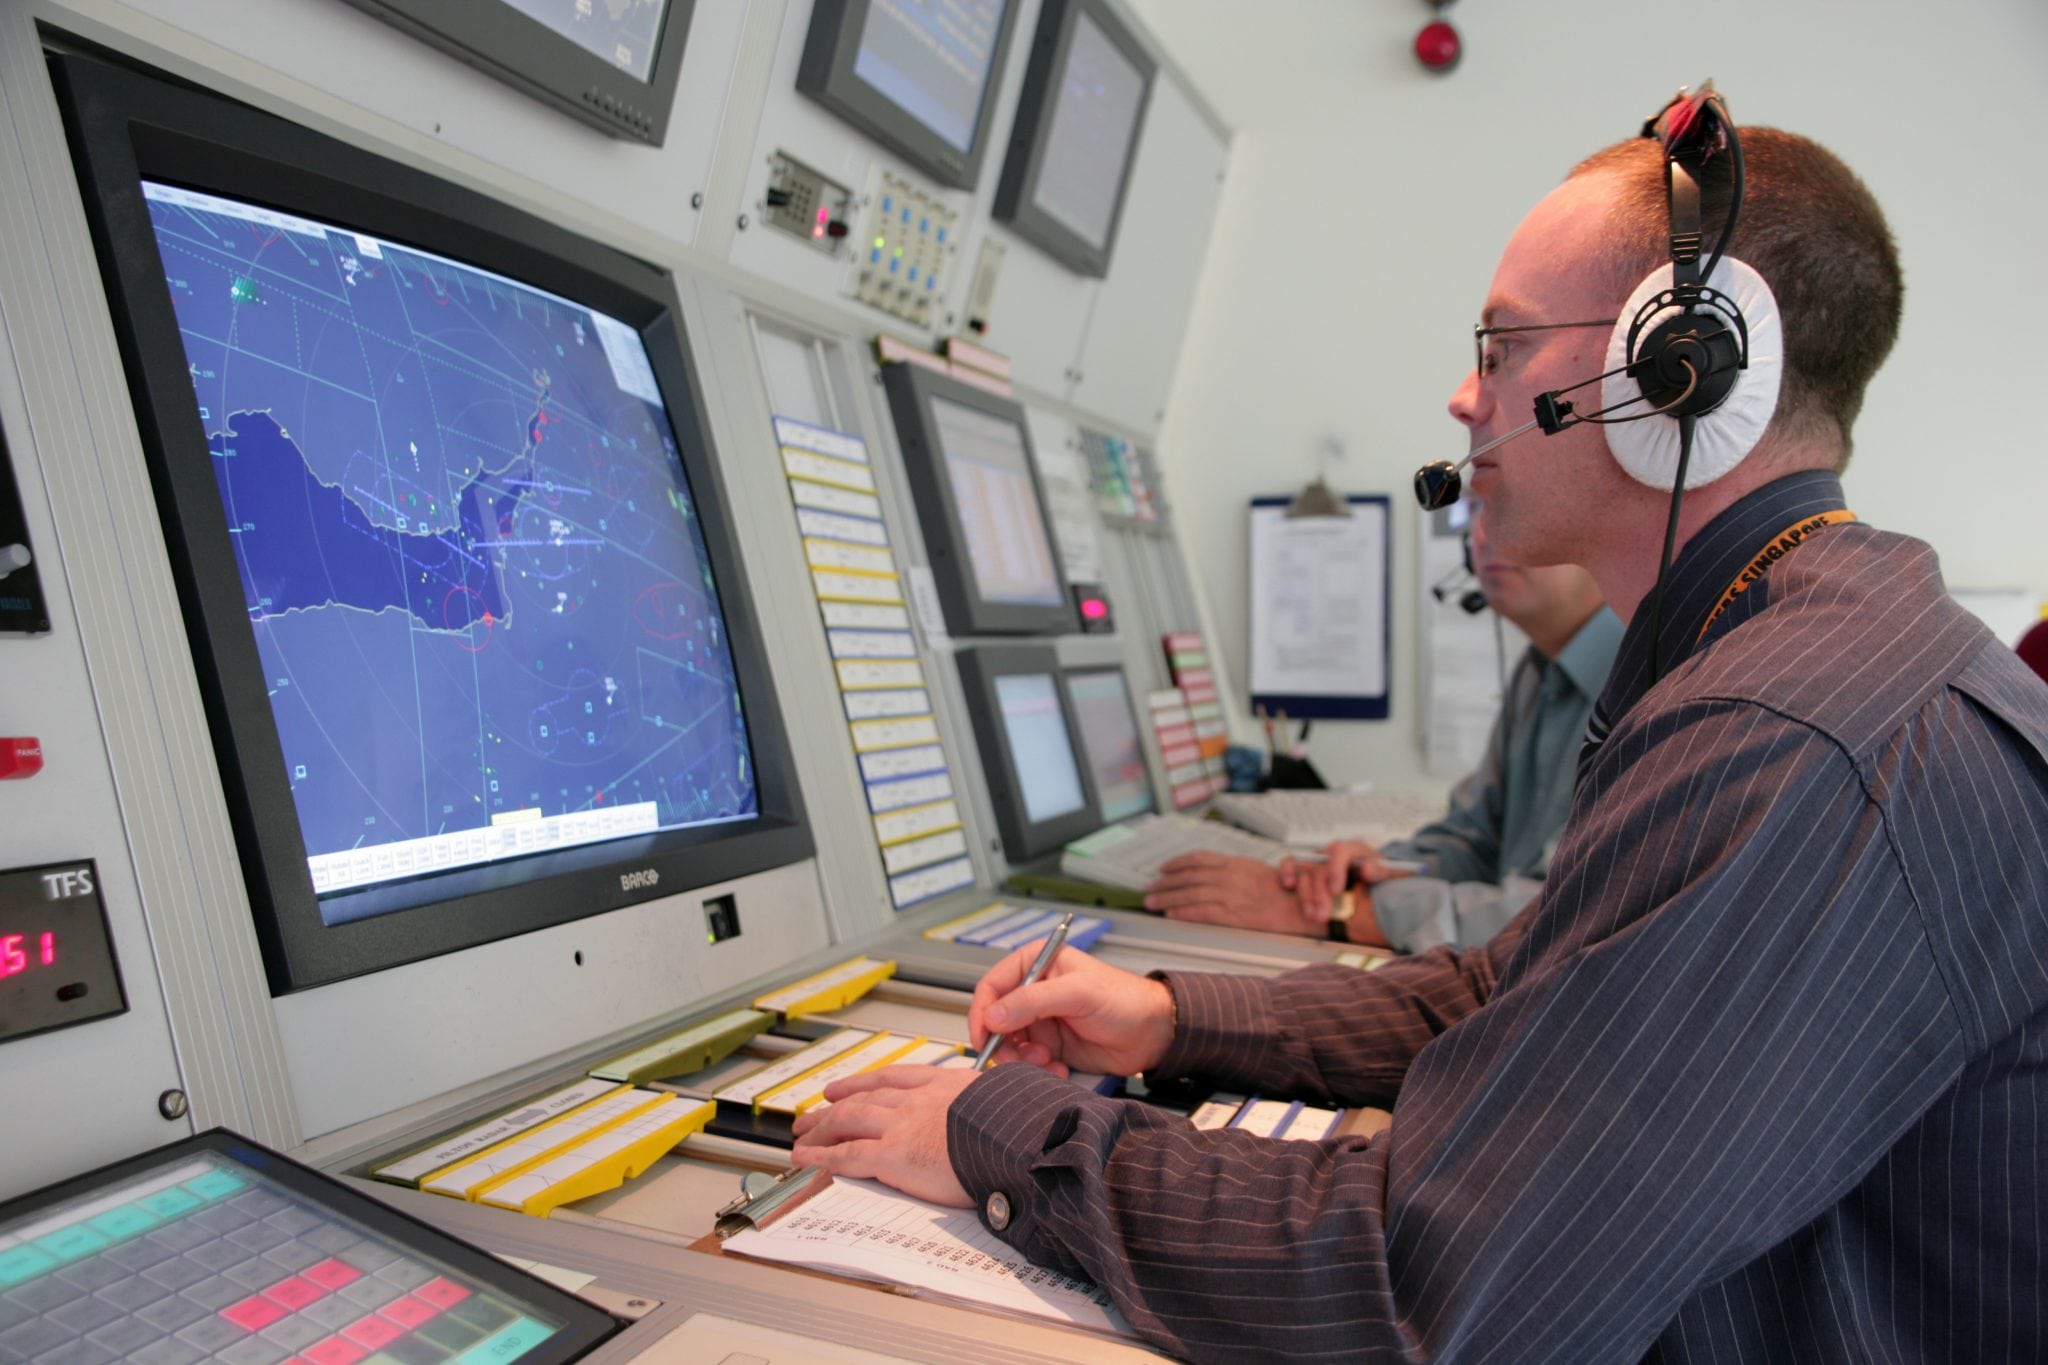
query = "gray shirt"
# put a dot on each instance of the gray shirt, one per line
(1488, 854)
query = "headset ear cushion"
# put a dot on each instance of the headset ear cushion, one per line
(1729, 426)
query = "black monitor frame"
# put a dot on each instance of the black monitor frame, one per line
(585, 1324)
(523, 52)
(825, 73)
(125, 125)
(1016, 201)
(911, 389)
(1067, 677)
(1023, 838)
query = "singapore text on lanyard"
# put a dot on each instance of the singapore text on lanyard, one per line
(1782, 544)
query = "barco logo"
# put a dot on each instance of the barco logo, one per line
(637, 881)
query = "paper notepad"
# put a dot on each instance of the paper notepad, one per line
(870, 1232)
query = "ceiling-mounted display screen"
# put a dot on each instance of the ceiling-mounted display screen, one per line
(1076, 134)
(918, 76)
(464, 596)
(612, 63)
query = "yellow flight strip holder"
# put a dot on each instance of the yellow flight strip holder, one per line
(953, 928)
(688, 1050)
(565, 1159)
(832, 989)
(877, 1052)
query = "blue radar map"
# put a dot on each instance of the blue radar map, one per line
(474, 570)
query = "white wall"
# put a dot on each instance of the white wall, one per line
(1368, 201)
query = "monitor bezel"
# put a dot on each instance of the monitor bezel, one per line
(126, 125)
(825, 73)
(911, 389)
(1024, 839)
(1118, 672)
(584, 1324)
(1016, 200)
(531, 57)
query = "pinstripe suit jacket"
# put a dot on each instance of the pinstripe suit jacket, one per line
(1762, 1075)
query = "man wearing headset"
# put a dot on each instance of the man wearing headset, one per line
(1762, 1074)
(1486, 856)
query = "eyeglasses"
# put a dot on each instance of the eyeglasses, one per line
(1480, 332)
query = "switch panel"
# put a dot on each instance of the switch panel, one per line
(807, 204)
(903, 261)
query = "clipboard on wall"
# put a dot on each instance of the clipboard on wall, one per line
(1320, 609)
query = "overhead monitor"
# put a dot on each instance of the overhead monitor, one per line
(1026, 730)
(975, 483)
(1076, 134)
(215, 1248)
(918, 76)
(612, 63)
(1110, 741)
(462, 590)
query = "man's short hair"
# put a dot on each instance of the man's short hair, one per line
(1816, 235)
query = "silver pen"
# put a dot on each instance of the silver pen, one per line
(1044, 960)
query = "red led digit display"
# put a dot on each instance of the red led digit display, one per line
(12, 958)
(57, 963)
(15, 952)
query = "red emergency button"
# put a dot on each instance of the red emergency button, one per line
(20, 756)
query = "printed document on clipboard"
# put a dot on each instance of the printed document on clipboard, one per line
(867, 1231)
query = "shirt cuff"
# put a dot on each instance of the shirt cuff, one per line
(996, 1129)
(1226, 1026)
(1415, 913)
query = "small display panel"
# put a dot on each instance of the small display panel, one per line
(473, 566)
(1110, 738)
(931, 59)
(1088, 148)
(622, 32)
(216, 1249)
(56, 959)
(1008, 546)
(1047, 777)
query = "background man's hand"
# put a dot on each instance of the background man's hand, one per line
(888, 1125)
(1081, 1015)
(1220, 888)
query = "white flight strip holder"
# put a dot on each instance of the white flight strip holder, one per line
(838, 444)
(955, 929)
(869, 735)
(410, 1169)
(831, 526)
(849, 643)
(912, 888)
(866, 616)
(1266, 1118)
(900, 858)
(915, 822)
(837, 554)
(463, 1180)
(863, 674)
(833, 500)
(1218, 1111)
(890, 764)
(878, 703)
(800, 464)
(808, 1091)
(749, 1089)
(1312, 1123)
(909, 791)
(850, 585)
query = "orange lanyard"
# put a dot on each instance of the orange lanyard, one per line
(1782, 544)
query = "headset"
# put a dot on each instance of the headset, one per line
(1680, 346)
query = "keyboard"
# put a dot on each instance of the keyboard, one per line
(1313, 819)
(1130, 855)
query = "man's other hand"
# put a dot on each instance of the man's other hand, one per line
(888, 1125)
(1220, 888)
